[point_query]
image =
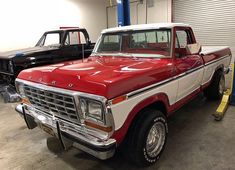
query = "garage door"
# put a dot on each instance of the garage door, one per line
(213, 21)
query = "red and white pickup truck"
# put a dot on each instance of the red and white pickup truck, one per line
(136, 77)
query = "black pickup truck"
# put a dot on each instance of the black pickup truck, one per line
(53, 47)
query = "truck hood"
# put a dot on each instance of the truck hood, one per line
(25, 51)
(107, 76)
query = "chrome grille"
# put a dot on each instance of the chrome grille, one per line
(60, 105)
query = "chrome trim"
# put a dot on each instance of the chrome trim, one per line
(155, 139)
(82, 137)
(19, 109)
(100, 155)
(64, 91)
(53, 103)
(107, 115)
(76, 95)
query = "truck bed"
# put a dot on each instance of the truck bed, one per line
(212, 49)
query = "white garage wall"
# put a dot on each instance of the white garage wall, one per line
(24, 21)
(213, 23)
(160, 12)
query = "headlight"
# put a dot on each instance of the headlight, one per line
(92, 109)
(20, 88)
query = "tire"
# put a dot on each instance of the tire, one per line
(139, 148)
(215, 90)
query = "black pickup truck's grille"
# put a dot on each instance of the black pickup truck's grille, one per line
(61, 105)
(4, 65)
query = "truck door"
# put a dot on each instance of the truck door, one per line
(75, 43)
(189, 67)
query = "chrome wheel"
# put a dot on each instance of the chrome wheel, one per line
(221, 86)
(156, 139)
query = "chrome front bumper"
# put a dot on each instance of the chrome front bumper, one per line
(69, 134)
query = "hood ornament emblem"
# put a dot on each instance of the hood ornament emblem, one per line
(40, 79)
(79, 77)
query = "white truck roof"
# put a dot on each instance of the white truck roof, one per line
(144, 27)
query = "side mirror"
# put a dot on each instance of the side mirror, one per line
(88, 42)
(193, 48)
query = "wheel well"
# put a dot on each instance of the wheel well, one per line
(220, 68)
(159, 105)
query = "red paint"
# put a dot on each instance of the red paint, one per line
(106, 76)
(187, 63)
(210, 57)
(120, 134)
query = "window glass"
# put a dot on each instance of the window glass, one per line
(53, 38)
(162, 36)
(82, 38)
(139, 37)
(144, 42)
(151, 36)
(181, 39)
(110, 43)
(75, 38)
(111, 39)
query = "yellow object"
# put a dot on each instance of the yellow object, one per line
(225, 100)
(223, 105)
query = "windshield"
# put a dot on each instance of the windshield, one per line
(147, 43)
(49, 39)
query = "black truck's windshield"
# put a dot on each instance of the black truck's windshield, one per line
(50, 39)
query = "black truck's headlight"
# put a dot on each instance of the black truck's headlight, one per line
(20, 88)
(92, 109)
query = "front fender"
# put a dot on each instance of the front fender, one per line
(120, 134)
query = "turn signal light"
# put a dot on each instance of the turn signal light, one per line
(119, 99)
(103, 128)
(25, 101)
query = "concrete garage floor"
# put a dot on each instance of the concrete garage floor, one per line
(195, 141)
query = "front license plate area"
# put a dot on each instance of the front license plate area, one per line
(47, 129)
